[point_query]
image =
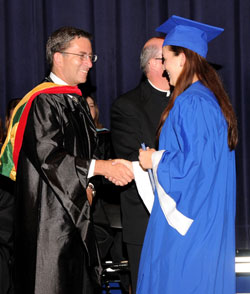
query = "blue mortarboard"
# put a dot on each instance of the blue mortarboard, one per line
(189, 34)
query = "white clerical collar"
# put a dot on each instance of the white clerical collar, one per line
(164, 91)
(57, 80)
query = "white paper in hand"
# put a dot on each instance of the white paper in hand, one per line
(143, 185)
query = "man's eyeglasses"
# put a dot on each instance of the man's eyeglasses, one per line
(83, 56)
(160, 58)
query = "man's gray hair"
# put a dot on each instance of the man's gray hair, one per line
(147, 53)
(60, 39)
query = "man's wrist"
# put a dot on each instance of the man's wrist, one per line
(101, 167)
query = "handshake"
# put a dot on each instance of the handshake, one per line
(118, 171)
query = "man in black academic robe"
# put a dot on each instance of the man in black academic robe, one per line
(55, 246)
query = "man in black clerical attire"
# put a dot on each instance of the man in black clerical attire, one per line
(56, 141)
(134, 120)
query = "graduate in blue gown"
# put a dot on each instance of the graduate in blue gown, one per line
(189, 247)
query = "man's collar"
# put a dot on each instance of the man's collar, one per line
(160, 90)
(56, 80)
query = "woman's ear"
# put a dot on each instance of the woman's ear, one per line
(182, 59)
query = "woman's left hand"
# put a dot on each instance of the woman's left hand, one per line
(145, 157)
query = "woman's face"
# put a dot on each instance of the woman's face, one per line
(91, 106)
(173, 64)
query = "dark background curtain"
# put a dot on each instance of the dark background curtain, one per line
(120, 28)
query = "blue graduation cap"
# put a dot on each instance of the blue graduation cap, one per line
(189, 34)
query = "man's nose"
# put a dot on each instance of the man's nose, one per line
(88, 61)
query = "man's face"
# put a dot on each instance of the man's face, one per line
(74, 69)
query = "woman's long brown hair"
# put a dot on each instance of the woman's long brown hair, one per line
(195, 64)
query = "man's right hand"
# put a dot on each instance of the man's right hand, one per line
(118, 172)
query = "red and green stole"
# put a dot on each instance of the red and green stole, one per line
(13, 142)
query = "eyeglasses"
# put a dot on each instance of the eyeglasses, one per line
(160, 58)
(83, 56)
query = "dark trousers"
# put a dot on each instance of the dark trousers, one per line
(134, 253)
